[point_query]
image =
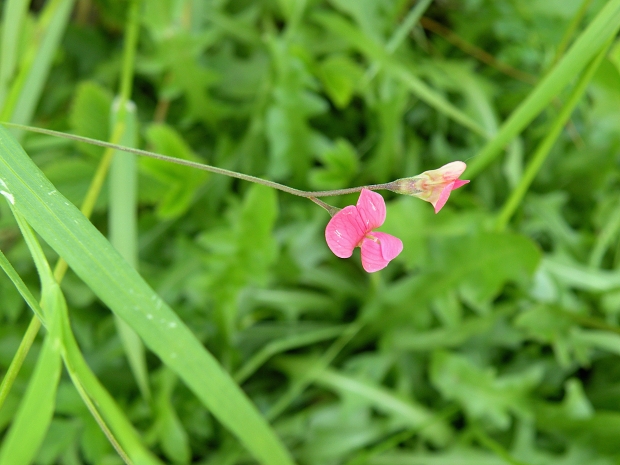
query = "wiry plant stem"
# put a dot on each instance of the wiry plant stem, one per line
(212, 169)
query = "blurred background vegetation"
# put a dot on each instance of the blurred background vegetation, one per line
(481, 343)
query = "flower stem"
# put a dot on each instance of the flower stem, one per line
(212, 169)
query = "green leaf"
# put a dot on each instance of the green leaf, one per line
(478, 266)
(179, 183)
(341, 165)
(406, 410)
(120, 287)
(480, 391)
(340, 76)
(90, 115)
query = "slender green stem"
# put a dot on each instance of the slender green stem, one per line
(545, 146)
(129, 52)
(18, 359)
(400, 34)
(572, 27)
(201, 166)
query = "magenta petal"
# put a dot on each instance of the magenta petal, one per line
(443, 197)
(344, 231)
(391, 246)
(372, 258)
(379, 251)
(371, 208)
(459, 183)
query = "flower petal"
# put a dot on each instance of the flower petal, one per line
(344, 231)
(443, 197)
(452, 170)
(378, 251)
(459, 183)
(371, 208)
(391, 246)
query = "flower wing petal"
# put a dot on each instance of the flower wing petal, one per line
(371, 208)
(377, 253)
(344, 231)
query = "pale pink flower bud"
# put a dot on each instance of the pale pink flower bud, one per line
(434, 186)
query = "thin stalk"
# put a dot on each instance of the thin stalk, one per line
(572, 27)
(400, 34)
(476, 52)
(547, 143)
(201, 166)
(18, 359)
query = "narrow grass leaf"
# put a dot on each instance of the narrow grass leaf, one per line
(37, 406)
(13, 16)
(123, 230)
(544, 148)
(34, 69)
(120, 287)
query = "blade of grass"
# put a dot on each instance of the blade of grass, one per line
(570, 30)
(13, 16)
(86, 382)
(34, 68)
(544, 148)
(60, 313)
(120, 287)
(18, 359)
(36, 409)
(123, 193)
(589, 43)
(123, 231)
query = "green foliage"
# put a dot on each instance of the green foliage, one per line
(493, 338)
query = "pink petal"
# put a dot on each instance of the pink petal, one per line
(344, 231)
(443, 197)
(371, 208)
(452, 170)
(459, 183)
(377, 253)
(391, 246)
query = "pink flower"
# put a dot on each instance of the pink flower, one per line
(353, 227)
(434, 186)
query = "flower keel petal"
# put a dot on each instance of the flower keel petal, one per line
(372, 258)
(391, 246)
